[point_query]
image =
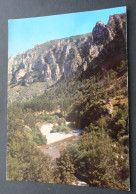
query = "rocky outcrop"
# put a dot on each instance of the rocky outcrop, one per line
(58, 59)
(101, 33)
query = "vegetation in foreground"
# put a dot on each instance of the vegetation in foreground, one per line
(98, 104)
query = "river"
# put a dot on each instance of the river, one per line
(58, 141)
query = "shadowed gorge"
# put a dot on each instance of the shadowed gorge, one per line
(75, 89)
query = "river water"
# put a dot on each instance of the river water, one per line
(56, 142)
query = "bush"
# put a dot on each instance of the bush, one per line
(61, 121)
(38, 138)
(63, 129)
(51, 119)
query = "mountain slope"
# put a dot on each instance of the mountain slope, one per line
(58, 59)
(81, 80)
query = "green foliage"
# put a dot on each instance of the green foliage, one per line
(118, 124)
(97, 160)
(29, 119)
(61, 121)
(101, 158)
(122, 67)
(104, 157)
(94, 100)
(63, 129)
(51, 118)
(64, 171)
(37, 137)
(24, 160)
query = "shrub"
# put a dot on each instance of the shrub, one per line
(61, 121)
(63, 129)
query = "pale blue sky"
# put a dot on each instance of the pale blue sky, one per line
(24, 34)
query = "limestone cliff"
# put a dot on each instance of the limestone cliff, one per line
(58, 59)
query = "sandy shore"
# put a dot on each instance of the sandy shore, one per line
(53, 137)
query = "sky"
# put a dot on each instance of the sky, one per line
(25, 33)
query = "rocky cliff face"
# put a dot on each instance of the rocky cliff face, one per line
(58, 59)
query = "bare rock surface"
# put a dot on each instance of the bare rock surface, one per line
(58, 59)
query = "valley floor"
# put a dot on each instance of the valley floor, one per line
(53, 137)
(57, 141)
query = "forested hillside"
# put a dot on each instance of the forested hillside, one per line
(87, 89)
